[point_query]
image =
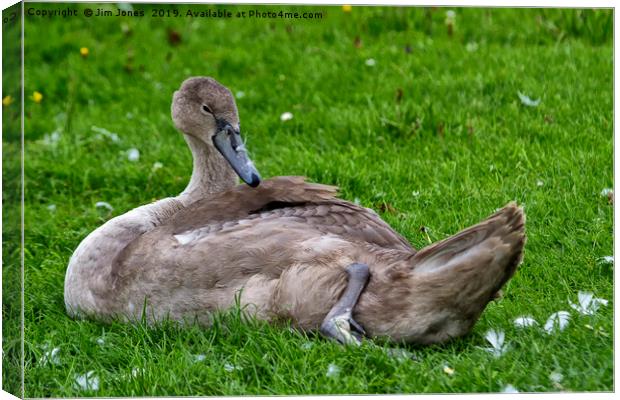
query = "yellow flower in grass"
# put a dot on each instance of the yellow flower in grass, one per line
(37, 97)
(7, 100)
(84, 51)
(347, 8)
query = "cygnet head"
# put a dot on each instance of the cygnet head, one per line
(205, 110)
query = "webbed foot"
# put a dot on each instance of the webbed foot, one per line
(339, 323)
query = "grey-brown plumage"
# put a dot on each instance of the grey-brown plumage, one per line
(284, 247)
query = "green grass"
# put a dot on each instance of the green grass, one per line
(457, 144)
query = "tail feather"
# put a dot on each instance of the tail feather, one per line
(497, 241)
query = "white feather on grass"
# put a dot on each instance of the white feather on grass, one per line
(104, 204)
(525, 321)
(51, 356)
(497, 340)
(587, 303)
(87, 381)
(527, 101)
(557, 321)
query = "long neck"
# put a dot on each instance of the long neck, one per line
(211, 173)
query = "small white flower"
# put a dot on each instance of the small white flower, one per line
(51, 138)
(332, 371)
(605, 192)
(105, 133)
(307, 346)
(133, 154)
(52, 207)
(137, 371)
(496, 338)
(286, 116)
(228, 367)
(100, 341)
(448, 370)
(357, 201)
(87, 381)
(556, 377)
(415, 193)
(240, 94)
(558, 320)
(199, 357)
(527, 101)
(525, 321)
(103, 204)
(51, 357)
(371, 62)
(540, 183)
(588, 304)
(607, 259)
(510, 389)
(471, 47)
(156, 165)
(450, 17)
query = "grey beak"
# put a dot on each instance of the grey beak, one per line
(228, 141)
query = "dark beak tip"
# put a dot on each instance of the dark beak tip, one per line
(255, 181)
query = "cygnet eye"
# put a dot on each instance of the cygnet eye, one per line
(206, 109)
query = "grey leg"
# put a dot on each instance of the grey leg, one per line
(339, 321)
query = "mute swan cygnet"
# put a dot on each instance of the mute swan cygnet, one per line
(289, 249)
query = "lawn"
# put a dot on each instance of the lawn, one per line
(408, 110)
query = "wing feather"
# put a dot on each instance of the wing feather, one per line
(293, 199)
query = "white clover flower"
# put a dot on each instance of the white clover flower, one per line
(286, 116)
(133, 154)
(450, 17)
(332, 371)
